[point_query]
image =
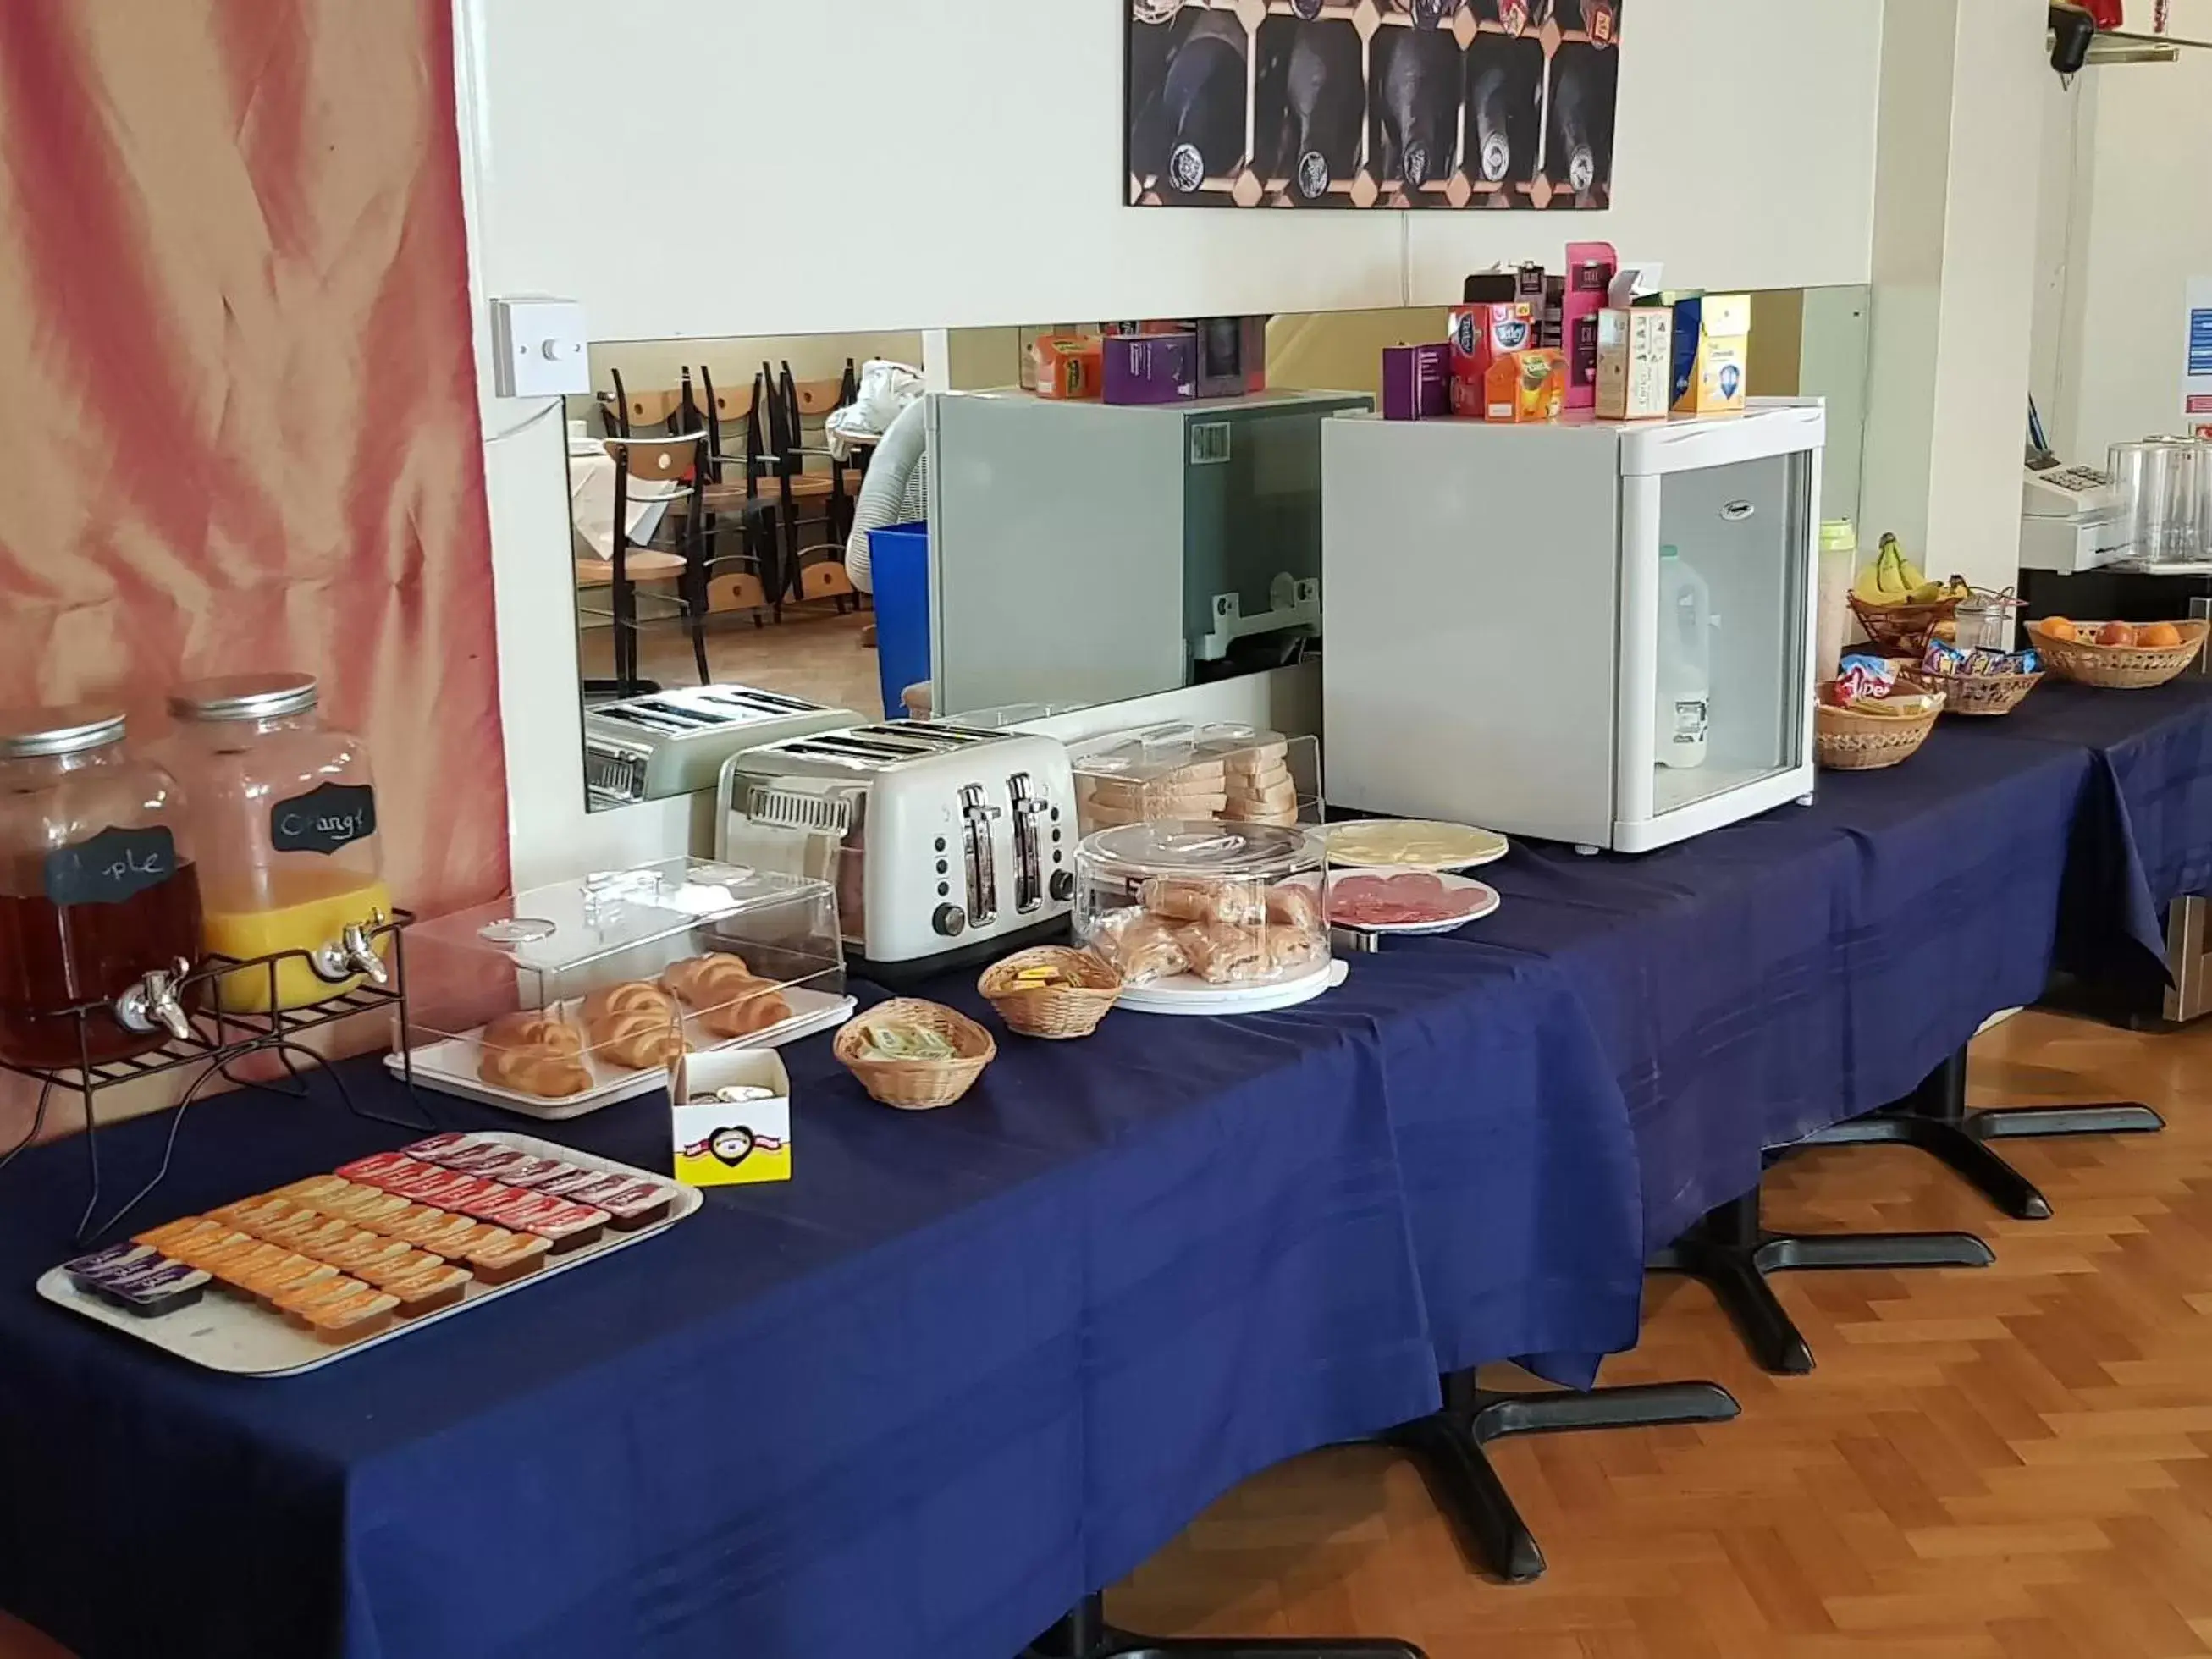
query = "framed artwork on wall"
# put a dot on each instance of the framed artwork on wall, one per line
(1492, 104)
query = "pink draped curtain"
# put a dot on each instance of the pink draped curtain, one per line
(236, 357)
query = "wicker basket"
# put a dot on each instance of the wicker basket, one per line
(1058, 1011)
(1861, 739)
(1974, 694)
(2119, 667)
(915, 1085)
(1902, 628)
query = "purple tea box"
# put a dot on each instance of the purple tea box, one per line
(1417, 381)
(1152, 368)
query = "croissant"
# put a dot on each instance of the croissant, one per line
(691, 978)
(1297, 907)
(753, 1006)
(1183, 898)
(637, 996)
(538, 1072)
(1222, 953)
(725, 996)
(637, 1039)
(534, 1030)
(1144, 946)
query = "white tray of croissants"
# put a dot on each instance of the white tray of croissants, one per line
(617, 1043)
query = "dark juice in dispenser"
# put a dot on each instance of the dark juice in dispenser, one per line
(57, 958)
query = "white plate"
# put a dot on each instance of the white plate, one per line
(1186, 993)
(450, 1066)
(226, 1334)
(1482, 846)
(1490, 901)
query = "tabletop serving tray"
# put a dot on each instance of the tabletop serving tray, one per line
(450, 1066)
(224, 1333)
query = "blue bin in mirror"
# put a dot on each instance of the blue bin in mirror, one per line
(898, 565)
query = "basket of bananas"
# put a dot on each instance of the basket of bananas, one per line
(1898, 606)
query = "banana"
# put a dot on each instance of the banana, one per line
(1893, 568)
(1868, 589)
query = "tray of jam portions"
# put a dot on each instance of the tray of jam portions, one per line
(294, 1278)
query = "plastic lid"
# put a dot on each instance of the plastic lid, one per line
(1161, 752)
(66, 729)
(566, 924)
(1222, 850)
(243, 697)
(1838, 536)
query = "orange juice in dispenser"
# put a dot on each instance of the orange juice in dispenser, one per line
(286, 810)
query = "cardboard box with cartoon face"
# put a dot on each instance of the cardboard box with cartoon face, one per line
(732, 1114)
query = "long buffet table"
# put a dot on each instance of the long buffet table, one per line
(971, 1365)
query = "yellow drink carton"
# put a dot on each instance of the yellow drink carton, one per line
(1712, 352)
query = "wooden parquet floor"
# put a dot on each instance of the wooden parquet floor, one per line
(2008, 1463)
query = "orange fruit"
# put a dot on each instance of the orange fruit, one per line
(2116, 634)
(2157, 633)
(2058, 627)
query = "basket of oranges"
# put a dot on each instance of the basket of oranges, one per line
(2117, 655)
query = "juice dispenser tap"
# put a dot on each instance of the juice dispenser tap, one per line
(152, 1002)
(352, 954)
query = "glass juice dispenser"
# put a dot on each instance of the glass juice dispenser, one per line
(1592, 632)
(284, 816)
(99, 904)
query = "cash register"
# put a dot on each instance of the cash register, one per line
(2073, 518)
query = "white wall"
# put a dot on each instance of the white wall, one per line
(983, 192)
(2136, 202)
(1746, 137)
(1746, 148)
(1963, 89)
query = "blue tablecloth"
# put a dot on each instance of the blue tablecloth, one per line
(2144, 838)
(971, 1365)
(1781, 974)
(967, 1366)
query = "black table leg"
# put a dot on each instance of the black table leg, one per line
(1448, 1446)
(1084, 1634)
(1732, 1251)
(1934, 1118)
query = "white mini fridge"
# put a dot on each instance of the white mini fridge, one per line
(1491, 621)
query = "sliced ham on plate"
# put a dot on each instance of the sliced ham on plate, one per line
(1411, 899)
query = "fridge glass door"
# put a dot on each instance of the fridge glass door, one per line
(1737, 583)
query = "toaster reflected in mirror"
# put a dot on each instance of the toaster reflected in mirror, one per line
(944, 843)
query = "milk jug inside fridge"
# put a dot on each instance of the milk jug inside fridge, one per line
(1686, 678)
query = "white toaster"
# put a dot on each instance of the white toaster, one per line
(945, 843)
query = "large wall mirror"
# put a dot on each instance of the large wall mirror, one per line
(778, 534)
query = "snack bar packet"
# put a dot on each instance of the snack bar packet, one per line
(1862, 677)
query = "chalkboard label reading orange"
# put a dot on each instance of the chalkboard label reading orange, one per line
(112, 866)
(326, 818)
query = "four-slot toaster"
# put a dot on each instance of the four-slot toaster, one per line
(674, 742)
(943, 842)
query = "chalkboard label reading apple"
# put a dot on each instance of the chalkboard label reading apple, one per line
(323, 819)
(112, 866)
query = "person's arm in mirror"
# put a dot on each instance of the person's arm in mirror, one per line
(895, 491)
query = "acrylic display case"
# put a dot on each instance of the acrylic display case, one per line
(1208, 917)
(568, 997)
